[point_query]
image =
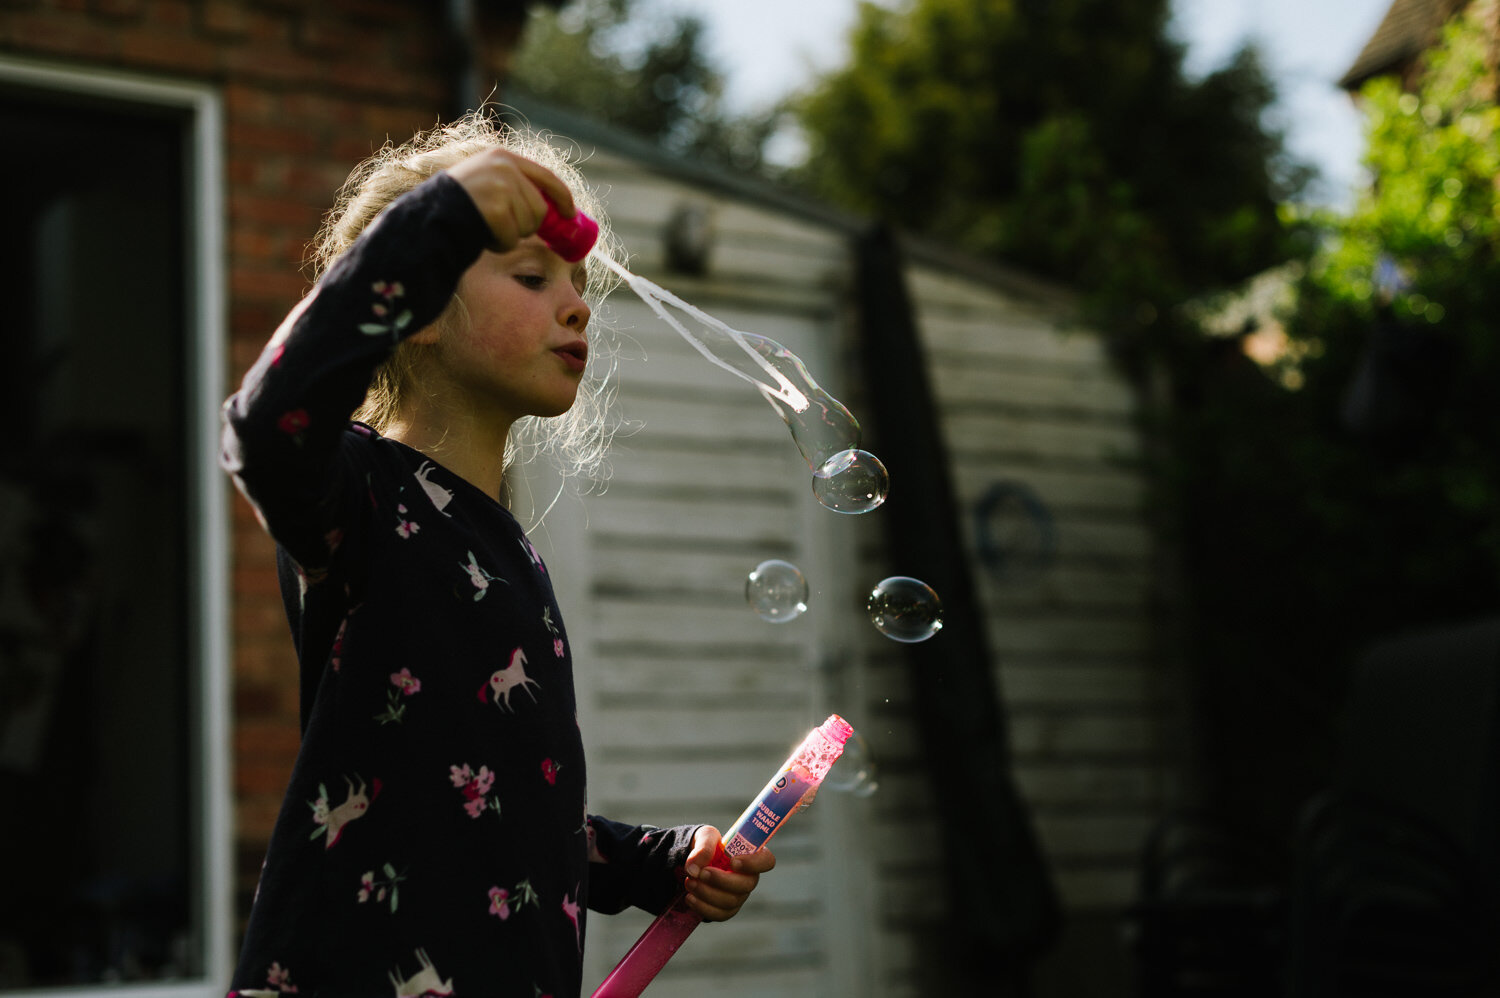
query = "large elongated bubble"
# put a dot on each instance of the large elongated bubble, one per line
(845, 478)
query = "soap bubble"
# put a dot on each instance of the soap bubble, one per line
(854, 772)
(851, 481)
(776, 591)
(905, 609)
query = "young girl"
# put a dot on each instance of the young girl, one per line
(434, 838)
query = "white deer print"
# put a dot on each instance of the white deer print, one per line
(426, 981)
(506, 679)
(354, 806)
(440, 496)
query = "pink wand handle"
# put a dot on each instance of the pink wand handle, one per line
(788, 791)
(569, 238)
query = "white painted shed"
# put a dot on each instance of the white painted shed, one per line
(688, 701)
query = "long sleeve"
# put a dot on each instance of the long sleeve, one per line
(635, 865)
(284, 427)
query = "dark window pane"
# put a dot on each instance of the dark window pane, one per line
(94, 615)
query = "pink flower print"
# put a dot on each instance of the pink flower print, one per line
(406, 682)
(475, 788)
(549, 771)
(336, 653)
(320, 806)
(479, 577)
(381, 308)
(294, 423)
(504, 903)
(558, 648)
(404, 527)
(380, 889)
(536, 559)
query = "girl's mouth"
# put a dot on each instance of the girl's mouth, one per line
(575, 355)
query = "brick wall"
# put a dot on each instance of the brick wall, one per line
(309, 88)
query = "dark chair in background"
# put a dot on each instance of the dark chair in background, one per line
(1396, 884)
(1209, 920)
(1385, 903)
(1392, 887)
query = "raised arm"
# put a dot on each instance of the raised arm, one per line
(283, 428)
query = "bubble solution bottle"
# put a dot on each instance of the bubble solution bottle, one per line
(790, 790)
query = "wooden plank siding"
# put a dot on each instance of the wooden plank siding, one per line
(1025, 395)
(688, 701)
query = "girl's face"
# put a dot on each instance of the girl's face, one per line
(522, 350)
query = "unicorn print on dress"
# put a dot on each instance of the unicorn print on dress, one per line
(423, 983)
(502, 681)
(440, 496)
(333, 821)
(571, 908)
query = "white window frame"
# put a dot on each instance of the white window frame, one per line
(211, 804)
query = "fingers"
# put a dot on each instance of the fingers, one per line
(706, 844)
(511, 193)
(760, 861)
(550, 186)
(717, 894)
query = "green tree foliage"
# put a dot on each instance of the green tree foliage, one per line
(646, 74)
(1061, 136)
(1412, 277)
(1360, 502)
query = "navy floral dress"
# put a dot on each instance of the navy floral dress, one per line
(434, 839)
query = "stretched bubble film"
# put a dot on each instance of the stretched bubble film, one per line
(823, 429)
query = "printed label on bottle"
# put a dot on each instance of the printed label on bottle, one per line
(762, 818)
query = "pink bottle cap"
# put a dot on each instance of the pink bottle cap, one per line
(837, 730)
(570, 238)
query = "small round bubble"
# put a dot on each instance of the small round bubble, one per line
(852, 481)
(854, 772)
(905, 609)
(777, 591)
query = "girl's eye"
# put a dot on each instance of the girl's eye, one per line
(533, 281)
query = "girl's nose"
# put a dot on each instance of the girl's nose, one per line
(575, 312)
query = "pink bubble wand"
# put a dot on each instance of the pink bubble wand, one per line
(790, 790)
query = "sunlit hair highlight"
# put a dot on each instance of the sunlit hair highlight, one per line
(576, 442)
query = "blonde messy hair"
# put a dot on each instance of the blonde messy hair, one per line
(576, 441)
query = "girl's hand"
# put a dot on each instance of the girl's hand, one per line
(509, 192)
(718, 894)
